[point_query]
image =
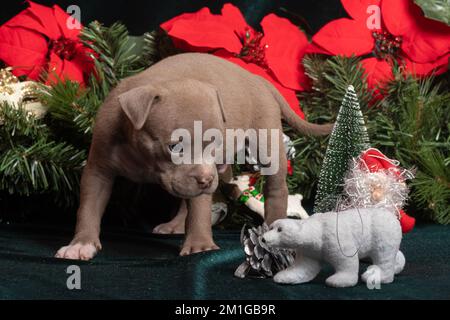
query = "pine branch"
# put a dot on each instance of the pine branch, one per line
(41, 168)
(431, 186)
(113, 52)
(413, 127)
(330, 78)
(31, 162)
(18, 126)
(157, 46)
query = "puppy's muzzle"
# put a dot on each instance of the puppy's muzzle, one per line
(204, 182)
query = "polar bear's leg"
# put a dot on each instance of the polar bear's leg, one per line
(385, 263)
(346, 273)
(399, 262)
(303, 270)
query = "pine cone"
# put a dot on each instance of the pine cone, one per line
(260, 260)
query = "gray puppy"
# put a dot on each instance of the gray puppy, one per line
(132, 138)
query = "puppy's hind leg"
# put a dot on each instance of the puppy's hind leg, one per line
(275, 187)
(177, 224)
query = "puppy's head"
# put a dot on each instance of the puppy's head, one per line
(284, 233)
(155, 112)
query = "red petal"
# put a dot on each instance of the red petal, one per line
(60, 70)
(378, 72)
(72, 71)
(425, 69)
(55, 66)
(62, 18)
(203, 31)
(46, 18)
(288, 94)
(286, 48)
(423, 39)
(23, 49)
(314, 48)
(232, 16)
(357, 9)
(345, 37)
(200, 15)
(206, 34)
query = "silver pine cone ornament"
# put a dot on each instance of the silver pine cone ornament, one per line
(260, 260)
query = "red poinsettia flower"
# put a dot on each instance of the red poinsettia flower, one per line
(420, 45)
(38, 40)
(275, 54)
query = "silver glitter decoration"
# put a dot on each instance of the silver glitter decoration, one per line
(384, 188)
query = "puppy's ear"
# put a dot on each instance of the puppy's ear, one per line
(137, 103)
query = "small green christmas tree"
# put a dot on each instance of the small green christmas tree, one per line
(348, 139)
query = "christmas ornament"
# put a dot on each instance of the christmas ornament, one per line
(38, 41)
(219, 211)
(254, 200)
(274, 54)
(403, 34)
(376, 181)
(339, 239)
(23, 94)
(348, 139)
(260, 260)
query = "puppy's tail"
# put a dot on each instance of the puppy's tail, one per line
(300, 125)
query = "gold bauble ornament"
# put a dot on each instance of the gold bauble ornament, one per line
(17, 93)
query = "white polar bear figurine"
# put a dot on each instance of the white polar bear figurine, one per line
(316, 240)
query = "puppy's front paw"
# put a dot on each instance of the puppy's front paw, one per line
(191, 246)
(78, 250)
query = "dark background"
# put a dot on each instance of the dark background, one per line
(145, 15)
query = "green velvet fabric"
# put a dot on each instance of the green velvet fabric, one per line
(134, 265)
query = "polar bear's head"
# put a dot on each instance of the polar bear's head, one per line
(284, 233)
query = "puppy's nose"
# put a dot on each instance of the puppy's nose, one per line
(205, 182)
(263, 240)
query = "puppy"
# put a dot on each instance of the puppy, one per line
(132, 138)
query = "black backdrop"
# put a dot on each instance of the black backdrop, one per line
(144, 15)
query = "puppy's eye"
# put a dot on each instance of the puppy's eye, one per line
(176, 148)
(279, 229)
